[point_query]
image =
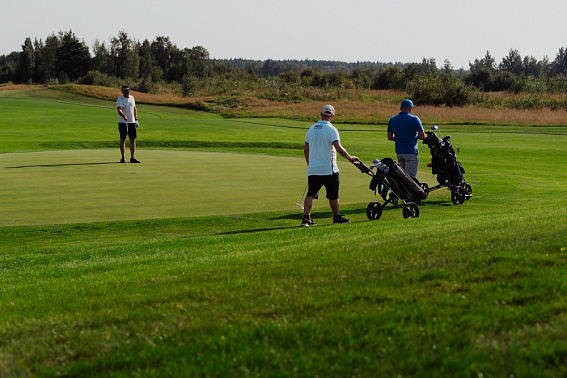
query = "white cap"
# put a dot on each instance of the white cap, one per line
(328, 110)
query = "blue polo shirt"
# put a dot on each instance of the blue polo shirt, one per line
(405, 127)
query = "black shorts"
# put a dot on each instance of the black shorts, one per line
(129, 130)
(331, 183)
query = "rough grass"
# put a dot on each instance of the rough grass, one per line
(368, 107)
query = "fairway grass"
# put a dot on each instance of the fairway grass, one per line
(454, 296)
(193, 263)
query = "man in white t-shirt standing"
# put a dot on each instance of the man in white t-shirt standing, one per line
(127, 123)
(322, 143)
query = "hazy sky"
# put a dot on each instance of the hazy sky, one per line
(348, 30)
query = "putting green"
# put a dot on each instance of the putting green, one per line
(84, 186)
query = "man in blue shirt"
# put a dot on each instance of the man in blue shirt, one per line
(405, 129)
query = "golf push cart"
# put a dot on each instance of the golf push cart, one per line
(444, 164)
(394, 185)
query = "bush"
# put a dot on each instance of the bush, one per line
(146, 85)
(529, 84)
(482, 78)
(189, 85)
(530, 101)
(389, 78)
(440, 90)
(7, 73)
(557, 84)
(98, 78)
(290, 77)
(504, 81)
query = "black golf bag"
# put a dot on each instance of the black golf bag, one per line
(394, 185)
(450, 172)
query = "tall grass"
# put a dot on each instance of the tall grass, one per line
(355, 106)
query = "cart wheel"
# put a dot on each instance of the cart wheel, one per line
(411, 210)
(425, 188)
(458, 195)
(374, 210)
(468, 192)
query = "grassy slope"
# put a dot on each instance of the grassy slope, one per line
(448, 296)
(468, 290)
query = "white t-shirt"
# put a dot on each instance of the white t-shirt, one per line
(127, 105)
(322, 153)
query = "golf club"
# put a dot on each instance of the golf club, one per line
(435, 128)
(301, 200)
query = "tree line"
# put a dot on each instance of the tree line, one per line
(153, 66)
(64, 58)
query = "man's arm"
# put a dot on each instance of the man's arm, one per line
(391, 136)
(306, 152)
(121, 113)
(421, 135)
(340, 149)
(135, 113)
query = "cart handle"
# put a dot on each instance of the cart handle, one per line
(363, 168)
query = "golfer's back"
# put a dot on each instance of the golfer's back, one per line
(322, 153)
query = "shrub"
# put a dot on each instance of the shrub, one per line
(482, 78)
(389, 78)
(558, 84)
(146, 85)
(446, 89)
(189, 85)
(98, 78)
(504, 81)
(529, 84)
(290, 77)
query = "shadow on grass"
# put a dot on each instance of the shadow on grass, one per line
(60, 165)
(319, 214)
(327, 214)
(315, 215)
(438, 202)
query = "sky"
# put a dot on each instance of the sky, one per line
(348, 30)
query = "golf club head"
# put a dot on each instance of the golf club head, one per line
(434, 128)
(376, 163)
(299, 205)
